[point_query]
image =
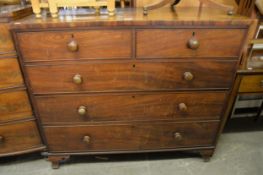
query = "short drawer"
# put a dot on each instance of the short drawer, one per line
(14, 106)
(77, 77)
(128, 107)
(10, 74)
(251, 83)
(130, 137)
(172, 43)
(19, 137)
(72, 45)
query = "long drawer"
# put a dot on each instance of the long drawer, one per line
(14, 105)
(172, 43)
(19, 137)
(130, 137)
(75, 45)
(129, 76)
(10, 74)
(251, 83)
(127, 107)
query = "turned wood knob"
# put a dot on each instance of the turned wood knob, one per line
(188, 76)
(77, 79)
(193, 43)
(82, 110)
(73, 46)
(86, 139)
(178, 136)
(182, 107)
(2, 139)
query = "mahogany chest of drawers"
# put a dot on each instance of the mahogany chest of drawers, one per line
(18, 128)
(131, 83)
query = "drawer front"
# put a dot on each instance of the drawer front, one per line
(10, 74)
(130, 137)
(91, 44)
(14, 106)
(18, 137)
(130, 76)
(127, 107)
(251, 83)
(172, 43)
(6, 43)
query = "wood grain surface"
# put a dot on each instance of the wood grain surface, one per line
(6, 43)
(129, 107)
(19, 137)
(214, 43)
(14, 105)
(131, 76)
(92, 44)
(130, 136)
(251, 83)
(163, 17)
(10, 74)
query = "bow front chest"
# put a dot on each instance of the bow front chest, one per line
(131, 83)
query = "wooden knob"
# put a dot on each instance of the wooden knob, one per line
(178, 136)
(188, 76)
(77, 79)
(182, 107)
(82, 110)
(86, 139)
(193, 43)
(73, 46)
(2, 139)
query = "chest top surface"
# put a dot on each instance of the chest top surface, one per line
(183, 16)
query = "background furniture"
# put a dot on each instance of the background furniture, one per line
(259, 4)
(242, 7)
(18, 130)
(184, 3)
(54, 5)
(155, 83)
(249, 81)
(9, 2)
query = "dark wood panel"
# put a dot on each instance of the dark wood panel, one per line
(139, 136)
(126, 107)
(251, 83)
(216, 43)
(91, 44)
(10, 74)
(130, 76)
(14, 106)
(19, 137)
